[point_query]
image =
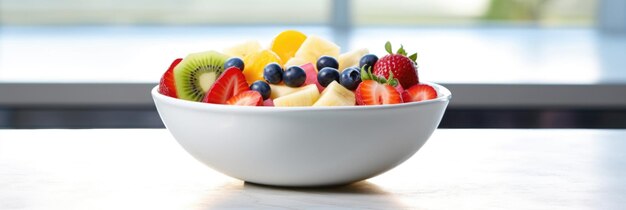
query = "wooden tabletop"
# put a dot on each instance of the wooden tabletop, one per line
(456, 169)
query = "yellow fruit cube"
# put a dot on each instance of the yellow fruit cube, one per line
(305, 96)
(351, 58)
(244, 49)
(336, 95)
(314, 47)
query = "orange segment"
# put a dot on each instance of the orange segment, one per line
(256, 62)
(287, 43)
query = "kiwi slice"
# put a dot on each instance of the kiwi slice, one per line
(197, 73)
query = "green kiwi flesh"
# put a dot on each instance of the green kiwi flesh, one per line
(197, 73)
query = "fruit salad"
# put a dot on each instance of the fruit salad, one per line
(296, 70)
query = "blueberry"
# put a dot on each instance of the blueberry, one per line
(262, 87)
(368, 61)
(273, 73)
(327, 75)
(350, 78)
(234, 61)
(294, 76)
(327, 61)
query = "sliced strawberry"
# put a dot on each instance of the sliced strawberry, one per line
(419, 92)
(167, 86)
(246, 98)
(371, 92)
(230, 83)
(311, 76)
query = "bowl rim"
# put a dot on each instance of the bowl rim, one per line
(443, 95)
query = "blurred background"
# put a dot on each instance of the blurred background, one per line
(509, 63)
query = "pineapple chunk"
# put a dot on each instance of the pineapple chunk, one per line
(282, 90)
(336, 95)
(351, 58)
(243, 49)
(295, 62)
(305, 96)
(314, 47)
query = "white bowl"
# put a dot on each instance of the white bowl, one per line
(301, 146)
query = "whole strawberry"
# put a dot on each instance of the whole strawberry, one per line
(403, 68)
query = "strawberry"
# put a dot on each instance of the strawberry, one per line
(230, 83)
(371, 92)
(399, 88)
(246, 98)
(402, 67)
(167, 86)
(419, 92)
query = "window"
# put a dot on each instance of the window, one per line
(163, 12)
(120, 48)
(475, 12)
(132, 41)
(249, 12)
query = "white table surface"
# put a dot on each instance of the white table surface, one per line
(456, 169)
